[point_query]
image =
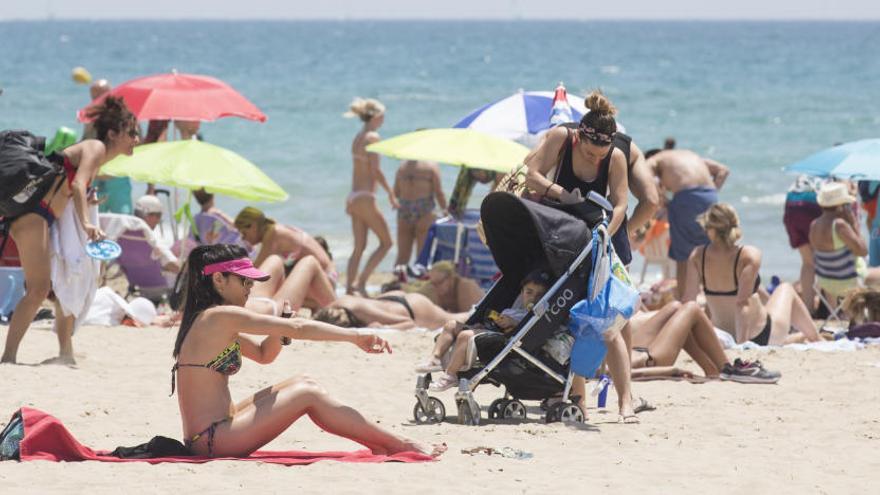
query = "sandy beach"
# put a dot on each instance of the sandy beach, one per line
(817, 431)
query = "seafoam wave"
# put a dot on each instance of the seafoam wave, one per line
(769, 199)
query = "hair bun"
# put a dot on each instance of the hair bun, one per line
(599, 103)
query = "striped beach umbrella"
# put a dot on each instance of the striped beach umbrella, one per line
(522, 116)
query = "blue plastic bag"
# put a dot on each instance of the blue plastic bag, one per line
(592, 320)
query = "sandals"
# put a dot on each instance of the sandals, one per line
(445, 382)
(431, 365)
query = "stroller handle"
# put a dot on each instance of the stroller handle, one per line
(601, 201)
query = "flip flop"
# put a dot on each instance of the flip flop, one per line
(628, 419)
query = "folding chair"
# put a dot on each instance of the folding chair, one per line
(144, 274)
(655, 250)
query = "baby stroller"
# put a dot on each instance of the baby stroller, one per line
(521, 235)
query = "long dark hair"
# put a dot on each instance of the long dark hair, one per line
(199, 293)
(111, 115)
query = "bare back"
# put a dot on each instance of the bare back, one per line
(681, 169)
(416, 180)
(362, 178)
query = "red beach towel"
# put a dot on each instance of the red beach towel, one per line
(46, 439)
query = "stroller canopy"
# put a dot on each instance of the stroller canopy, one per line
(522, 233)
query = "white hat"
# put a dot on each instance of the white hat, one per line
(148, 204)
(142, 310)
(834, 194)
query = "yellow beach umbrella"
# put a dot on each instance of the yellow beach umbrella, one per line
(459, 147)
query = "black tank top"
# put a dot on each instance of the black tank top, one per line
(566, 178)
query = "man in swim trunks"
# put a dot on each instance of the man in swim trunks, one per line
(694, 182)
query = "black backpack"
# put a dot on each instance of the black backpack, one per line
(26, 174)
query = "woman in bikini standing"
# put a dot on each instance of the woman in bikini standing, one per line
(117, 134)
(216, 331)
(416, 185)
(740, 311)
(361, 202)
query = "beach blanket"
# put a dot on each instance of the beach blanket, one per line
(684, 232)
(46, 439)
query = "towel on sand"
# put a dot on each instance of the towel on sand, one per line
(46, 439)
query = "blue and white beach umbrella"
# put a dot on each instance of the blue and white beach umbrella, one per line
(858, 160)
(521, 117)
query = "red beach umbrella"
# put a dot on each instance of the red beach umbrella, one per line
(181, 97)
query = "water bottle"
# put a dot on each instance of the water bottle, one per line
(286, 312)
(601, 389)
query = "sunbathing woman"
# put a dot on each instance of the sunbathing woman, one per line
(393, 309)
(288, 242)
(305, 284)
(728, 274)
(659, 336)
(361, 202)
(416, 185)
(117, 134)
(214, 335)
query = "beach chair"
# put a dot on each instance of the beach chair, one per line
(206, 225)
(11, 290)
(144, 274)
(655, 250)
(458, 240)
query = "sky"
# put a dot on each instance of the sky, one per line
(443, 9)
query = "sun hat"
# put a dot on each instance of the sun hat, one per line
(834, 194)
(241, 266)
(147, 204)
(142, 310)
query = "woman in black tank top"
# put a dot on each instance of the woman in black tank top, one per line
(585, 160)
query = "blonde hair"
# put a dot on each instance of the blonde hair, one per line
(364, 109)
(445, 267)
(862, 305)
(722, 218)
(252, 216)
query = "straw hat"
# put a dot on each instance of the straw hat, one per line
(834, 194)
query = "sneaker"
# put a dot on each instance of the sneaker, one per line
(431, 365)
(445, 382)
(738, 363)
(744, 372)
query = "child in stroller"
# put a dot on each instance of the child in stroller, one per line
(534, 286)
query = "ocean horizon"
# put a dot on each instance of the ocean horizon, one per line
(755, 95)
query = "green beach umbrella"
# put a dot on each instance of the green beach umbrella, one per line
(460, 147)
(193, 164)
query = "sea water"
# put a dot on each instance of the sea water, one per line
(753, 95)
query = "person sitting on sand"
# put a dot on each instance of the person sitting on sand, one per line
(216, 332)
(449, 290)
(305, 284)
(393, 309)
(416, 185)
(728, 274)
(659, 336)
(288, 242)
(534, 286)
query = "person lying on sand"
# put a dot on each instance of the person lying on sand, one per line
(215, 334)
(393, 309)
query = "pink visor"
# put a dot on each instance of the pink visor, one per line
(241, 266)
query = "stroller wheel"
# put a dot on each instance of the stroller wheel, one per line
(436, 412)
(496, 408)
(514, 410)
(570, 413)
(466, 415)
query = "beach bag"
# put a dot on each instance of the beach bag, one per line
(10, 438)
(25, 173)
(611, 300)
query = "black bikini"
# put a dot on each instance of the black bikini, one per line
(762, 338)
(399, 300)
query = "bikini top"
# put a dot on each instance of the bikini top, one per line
(228, 362)
(733, 292)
